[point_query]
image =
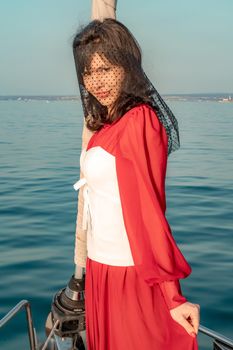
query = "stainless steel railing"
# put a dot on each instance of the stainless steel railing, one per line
(216, 336)
(23, 304)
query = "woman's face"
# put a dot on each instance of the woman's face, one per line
(104, 80)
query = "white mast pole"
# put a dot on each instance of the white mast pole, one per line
(103, 9)
(100, 9)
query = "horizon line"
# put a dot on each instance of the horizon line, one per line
(75, 95)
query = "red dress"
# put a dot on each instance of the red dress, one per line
(134, 264)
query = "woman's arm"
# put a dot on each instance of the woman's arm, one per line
(141, 170)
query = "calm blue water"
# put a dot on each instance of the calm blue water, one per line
(40, 148)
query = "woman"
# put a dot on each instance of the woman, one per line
(132, 292)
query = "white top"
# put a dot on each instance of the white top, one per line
(107, 240)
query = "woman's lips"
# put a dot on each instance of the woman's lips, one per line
(103, 94)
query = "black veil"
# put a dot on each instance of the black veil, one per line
(112, 40)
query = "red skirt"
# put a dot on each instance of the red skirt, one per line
(124, 313)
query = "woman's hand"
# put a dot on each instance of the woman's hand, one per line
(188, 316)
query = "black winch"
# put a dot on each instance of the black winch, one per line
(68, 312)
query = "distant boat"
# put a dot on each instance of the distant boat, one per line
(228, 99)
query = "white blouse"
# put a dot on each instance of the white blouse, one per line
(107, 240)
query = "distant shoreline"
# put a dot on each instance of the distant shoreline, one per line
(200, 97)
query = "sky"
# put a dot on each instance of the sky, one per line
(187, 45)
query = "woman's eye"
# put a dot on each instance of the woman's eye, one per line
(99, 70)
(104, 69)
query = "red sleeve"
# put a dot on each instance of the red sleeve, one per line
(141, 163)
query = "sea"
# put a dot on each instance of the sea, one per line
(40, 146)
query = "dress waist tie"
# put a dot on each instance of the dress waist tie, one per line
(86, 222)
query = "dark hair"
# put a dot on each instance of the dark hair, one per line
(113, 40)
